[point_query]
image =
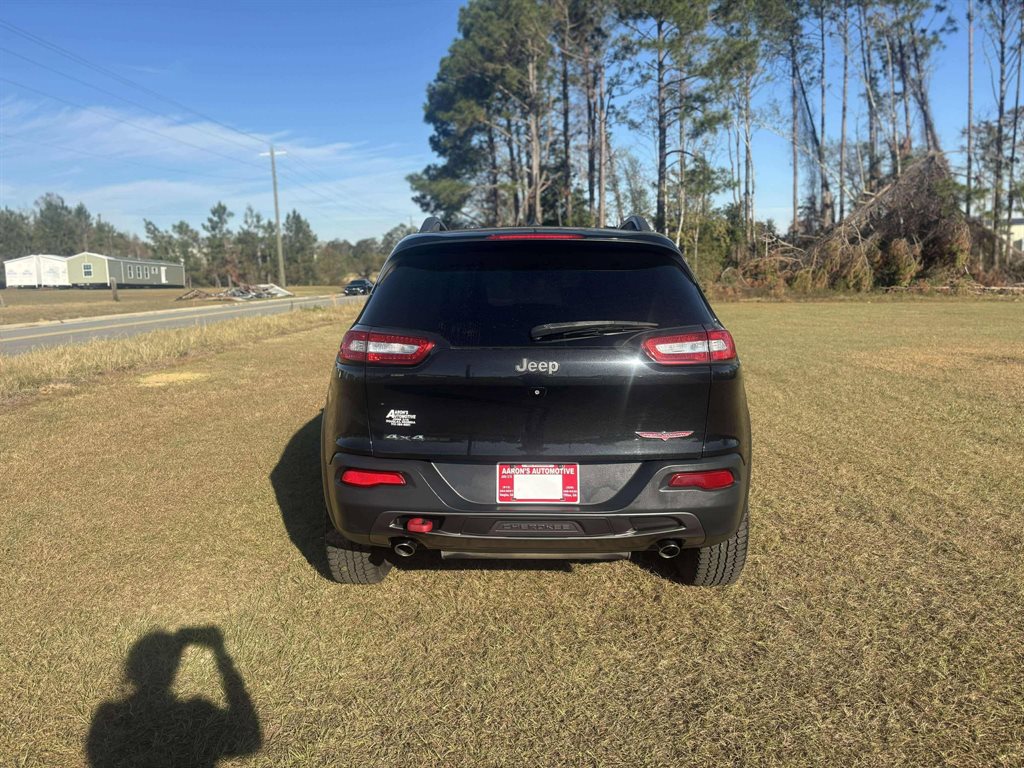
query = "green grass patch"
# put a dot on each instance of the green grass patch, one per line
(31, 305)
(63, 367)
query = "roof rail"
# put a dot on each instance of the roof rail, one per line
(635, 222)
(432, 224)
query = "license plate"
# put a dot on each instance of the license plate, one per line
(538, 483)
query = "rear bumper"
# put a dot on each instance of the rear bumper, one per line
(643, 512)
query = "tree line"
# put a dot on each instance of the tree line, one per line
(213, 254)
(525, 103)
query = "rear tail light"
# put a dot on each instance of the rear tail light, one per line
(367, 478)
(691, 348)
(721, 346)
(678, 349)
(383, 348)
(710, 480)
(353, 347)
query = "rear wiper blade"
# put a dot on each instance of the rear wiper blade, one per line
(586, 328)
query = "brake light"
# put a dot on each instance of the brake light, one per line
(711, 480)
(383, 348)
(367, 478)
(691, 348)
(537, 236)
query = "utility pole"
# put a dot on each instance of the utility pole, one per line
(277, 216)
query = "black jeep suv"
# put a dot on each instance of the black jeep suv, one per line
(537, 393)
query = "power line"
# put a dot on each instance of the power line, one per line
(116, 158)
(337, 201)
(120, 78)
(292, 174)
(364, 209)
(359, 207)
(330, 200)
(127, 122)
(125, 99)
(334, 205)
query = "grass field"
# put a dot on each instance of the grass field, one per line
(23, 305)
(879, 621)
(64, 367)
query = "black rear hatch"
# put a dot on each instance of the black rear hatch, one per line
(536, 352)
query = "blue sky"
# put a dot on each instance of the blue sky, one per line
(339, 85)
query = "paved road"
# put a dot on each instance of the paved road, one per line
(14, 341)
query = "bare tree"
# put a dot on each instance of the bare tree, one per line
(827, 210)
(844, 31)
(566, 43)
(661, 105)
(602, 139)
(1012, 189)
(894, 136)
(970, 105)
(999, 20)
(794, 106)
(868, 74)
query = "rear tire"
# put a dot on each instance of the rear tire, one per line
(718, 565)
(351, 563)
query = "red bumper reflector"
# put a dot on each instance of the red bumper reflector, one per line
(711, 480)
(367, 478)
(419, 525)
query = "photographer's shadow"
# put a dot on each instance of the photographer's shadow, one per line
(153, 727)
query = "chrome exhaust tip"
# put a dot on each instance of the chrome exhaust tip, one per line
(669, 549)
(405, 547)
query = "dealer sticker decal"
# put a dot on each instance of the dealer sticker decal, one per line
(397, 418)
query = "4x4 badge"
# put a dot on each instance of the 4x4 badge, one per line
(665, 435)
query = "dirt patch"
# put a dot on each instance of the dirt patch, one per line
(166, 379)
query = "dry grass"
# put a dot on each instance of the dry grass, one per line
(23, 305)
(879, 621)
(63, 367)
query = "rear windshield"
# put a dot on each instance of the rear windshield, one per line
(492, 295)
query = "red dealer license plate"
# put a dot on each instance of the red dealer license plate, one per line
(538, 483)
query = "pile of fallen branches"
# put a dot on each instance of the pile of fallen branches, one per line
(910, 230)
(240, 292)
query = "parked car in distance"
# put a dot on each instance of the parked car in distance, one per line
(359, 287)
(537, 393)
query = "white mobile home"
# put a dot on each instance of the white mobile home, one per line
(89, 269)
(36, 271)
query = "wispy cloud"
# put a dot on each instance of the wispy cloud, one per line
(150, 70)
(128, 165)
